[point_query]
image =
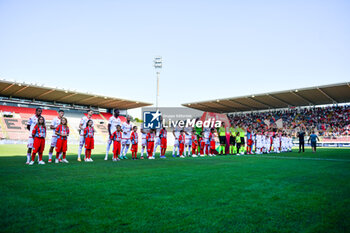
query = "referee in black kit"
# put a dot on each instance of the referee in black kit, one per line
(301, 136)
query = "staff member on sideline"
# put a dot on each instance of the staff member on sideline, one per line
(313, 138)
(301, 136)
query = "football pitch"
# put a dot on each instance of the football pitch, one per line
(289, 193)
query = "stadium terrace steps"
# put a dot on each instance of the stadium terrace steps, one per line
(95, 116)
(3, 132)
(20, 110)
(106, 115)
(15, 129)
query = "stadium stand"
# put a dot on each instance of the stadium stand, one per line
(19, 100)
(322, 109)
(331, 123)
(311, 96)
(13, 123)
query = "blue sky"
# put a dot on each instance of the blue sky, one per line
(211, 49)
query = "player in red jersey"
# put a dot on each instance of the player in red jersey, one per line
(194, 140)
(62, 133)
(182, 143)
(134, 142)
(54, 124)
(150, 143)
(201, 142)
(89, 140)
(30, 126)
(39, 134)
(249, 140)
(163, 142)
(117, 138)
(212, 142)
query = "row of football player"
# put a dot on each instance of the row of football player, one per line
(36, 124)
(276, 143)
(61, 132)
(59, 125)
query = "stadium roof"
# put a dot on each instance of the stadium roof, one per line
(36, 92)
(329, 94)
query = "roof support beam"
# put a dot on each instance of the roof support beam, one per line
(110, 100)
(119, 104)
(282, 101)
(18, 91)
(227, 107)
(236, 102)
(45, 93)
(207, 107)
(268, 105)
(325, 94)
(67, 96)
(298, 95)
(6, 88)
(88, 98)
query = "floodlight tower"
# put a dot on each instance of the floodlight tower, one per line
(158, 62)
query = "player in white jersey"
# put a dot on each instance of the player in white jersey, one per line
(206, 139)
(264, 143)
(290, 143)
(112, 127)
(82, 126)
(276, 143)
(176, 133)
(30, 126)
(156, 141)
(54, 124)
(283, 143)
(188, 140)
(268, 141)
(144, 141)
(126, 129)
(258, 143)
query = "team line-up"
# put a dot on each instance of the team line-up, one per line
(122, 135)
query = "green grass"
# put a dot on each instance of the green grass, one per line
(216, 194)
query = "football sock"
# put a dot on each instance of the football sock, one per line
(28, 157)
(122, 150)
(50, 155)
(79, 151)
(33, 156)
(155, 149)
(108, 147)
(126, 149)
